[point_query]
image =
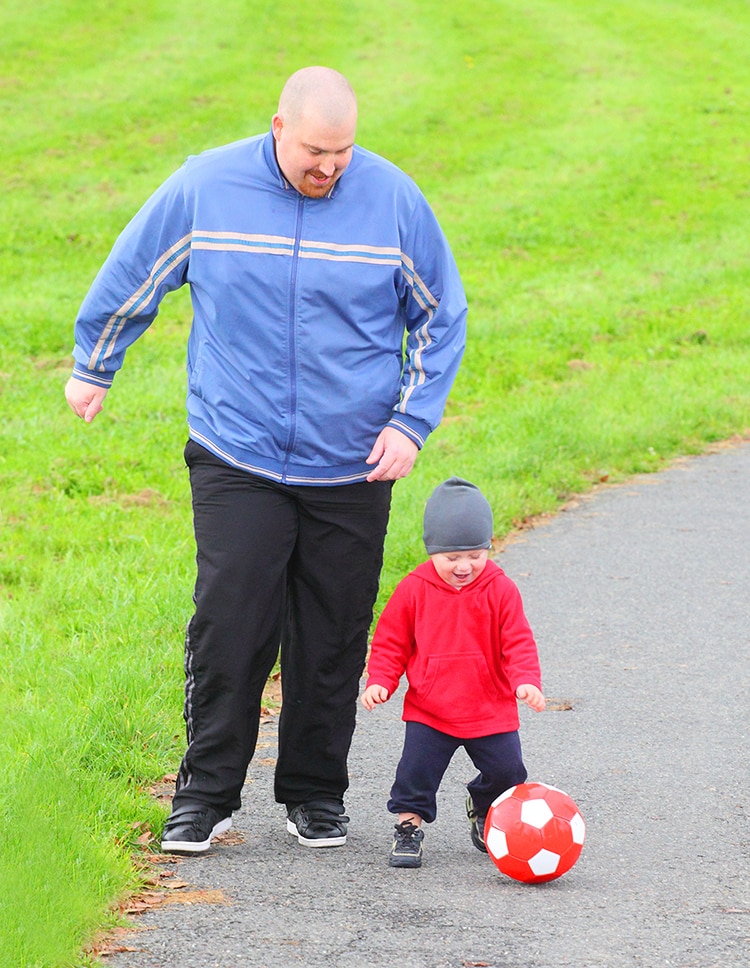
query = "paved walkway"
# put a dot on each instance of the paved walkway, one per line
(640, 600)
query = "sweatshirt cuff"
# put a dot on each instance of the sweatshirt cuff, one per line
(416, 430)
(380, 681)
(528, 681)
(96, 379)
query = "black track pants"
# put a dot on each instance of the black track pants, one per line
(277, 564)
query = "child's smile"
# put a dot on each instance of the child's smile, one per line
(460, 568)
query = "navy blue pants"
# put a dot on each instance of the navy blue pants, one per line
(427, 753)
(278, 565)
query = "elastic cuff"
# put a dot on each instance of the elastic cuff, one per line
(96, 379)
(415, 430)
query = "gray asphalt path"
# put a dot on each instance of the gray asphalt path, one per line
(639, 597)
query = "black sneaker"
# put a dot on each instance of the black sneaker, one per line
(318, 823)
(191, 827)
(477, 821)
(407, 845)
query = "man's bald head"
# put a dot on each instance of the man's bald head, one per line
(318, 92)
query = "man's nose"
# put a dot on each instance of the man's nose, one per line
(327, 165)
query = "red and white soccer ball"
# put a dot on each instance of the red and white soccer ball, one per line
(534, 832)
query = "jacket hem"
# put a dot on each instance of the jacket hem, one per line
(278, 471)
(459, 731)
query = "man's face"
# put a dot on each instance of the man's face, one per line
(460, 568)
(312, 153)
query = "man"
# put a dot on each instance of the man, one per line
(329, 322)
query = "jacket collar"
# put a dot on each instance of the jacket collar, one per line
(269, 153)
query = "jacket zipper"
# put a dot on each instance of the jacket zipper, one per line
(293, 339)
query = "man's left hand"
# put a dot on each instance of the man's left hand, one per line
(394, 454)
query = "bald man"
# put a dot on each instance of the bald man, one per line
(328, 325)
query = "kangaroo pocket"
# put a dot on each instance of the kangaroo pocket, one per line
(457, 687)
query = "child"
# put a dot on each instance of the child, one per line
(457, 628)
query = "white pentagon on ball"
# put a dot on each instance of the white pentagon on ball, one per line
(578, 829)
(545, 862)
(536, 813)
(496, 843)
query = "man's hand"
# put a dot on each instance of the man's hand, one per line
(532, 697)
(394, 454)
(373, 696)
(85, 399)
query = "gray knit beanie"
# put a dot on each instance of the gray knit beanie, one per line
(457, 517)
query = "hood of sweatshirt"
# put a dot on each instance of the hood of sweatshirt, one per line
(426, 571)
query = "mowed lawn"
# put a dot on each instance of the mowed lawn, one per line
(590, 163)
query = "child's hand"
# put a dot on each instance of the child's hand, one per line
(374, 695)
(532, 697)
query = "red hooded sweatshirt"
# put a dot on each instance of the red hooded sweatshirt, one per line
(465, 651)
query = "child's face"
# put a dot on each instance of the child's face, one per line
(460, 568)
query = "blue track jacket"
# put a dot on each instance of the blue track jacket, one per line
(316, 321)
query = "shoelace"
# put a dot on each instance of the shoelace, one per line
(405, 833)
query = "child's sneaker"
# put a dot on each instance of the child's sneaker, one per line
(407, 845)
(477, 824)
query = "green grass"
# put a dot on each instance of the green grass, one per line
(588, 160)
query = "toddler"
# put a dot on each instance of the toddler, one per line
(456, 627)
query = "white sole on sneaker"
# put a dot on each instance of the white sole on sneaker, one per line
(192, 846)
(338, 841)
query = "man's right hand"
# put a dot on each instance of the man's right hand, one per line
(85, 399)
